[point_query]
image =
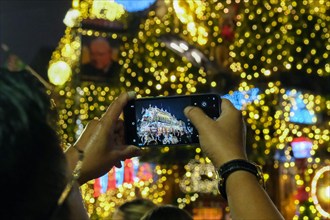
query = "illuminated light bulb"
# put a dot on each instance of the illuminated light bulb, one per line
(196, 56)
(173, 78)
(59, 73)
(107, 9)
(75, 3)
(176, 47)
(71, 17)
(321, 192)
(324, 194)
(267, 73)
(184, 46)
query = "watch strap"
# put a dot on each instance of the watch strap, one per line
(234, 165)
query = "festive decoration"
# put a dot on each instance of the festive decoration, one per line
(59, 73)
(321, 191)
(240, 99)
(191, 14)
(301, 147)
(132, 171)
(266, 53)
(71, 18)
(299, 111)
(106, 9)
(200, 177)
(152, 69)
(271, 38)
(104, 204)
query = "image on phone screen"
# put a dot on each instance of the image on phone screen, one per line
(160, 121)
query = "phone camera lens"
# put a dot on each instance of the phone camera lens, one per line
(204, 104)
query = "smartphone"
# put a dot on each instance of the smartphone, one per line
(160, 121)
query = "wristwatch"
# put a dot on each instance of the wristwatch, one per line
(234, 165)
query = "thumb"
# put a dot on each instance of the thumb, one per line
(227, 107)
(129, 152)
(199, 119)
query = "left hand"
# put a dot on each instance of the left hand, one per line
(102, 142)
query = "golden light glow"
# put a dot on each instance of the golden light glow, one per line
(186, 11)
(321, 192)
(193, 182)
(262, 47)
(71, 17)
(325, 194)
(278, 50)
(107, 9)
(59, 73)
(155, 191)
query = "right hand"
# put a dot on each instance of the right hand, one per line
(221, 140)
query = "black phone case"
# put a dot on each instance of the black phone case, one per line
(160, 121)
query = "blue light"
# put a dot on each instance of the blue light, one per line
(241, 99)
(299, 112)
(120, 174)
(282, 156)
(104, 183)
(135, 5)
(301, 148)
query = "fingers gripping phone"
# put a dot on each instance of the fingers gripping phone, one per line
(160, 121)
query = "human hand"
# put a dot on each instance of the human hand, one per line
(103, 142)
(221, 140)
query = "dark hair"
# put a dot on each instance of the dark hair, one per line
(32, 163)
(167, 212)
(135, 209)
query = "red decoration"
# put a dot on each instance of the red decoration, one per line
(111, 183)
(128, 171)
(97, 187)
(227, 32)
(112, 179)
(301, 194)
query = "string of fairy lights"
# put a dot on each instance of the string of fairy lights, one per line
(272, 40)
(270, 37)
(104, 205)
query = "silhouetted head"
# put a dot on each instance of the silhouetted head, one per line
(133, 210)
(167, 212)
(32, 163)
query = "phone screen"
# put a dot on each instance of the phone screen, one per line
(160, 121)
